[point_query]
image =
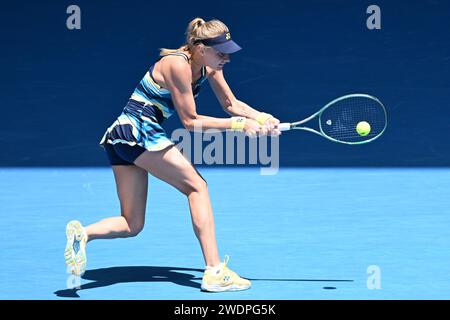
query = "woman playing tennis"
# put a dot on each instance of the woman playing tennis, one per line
(136, 145)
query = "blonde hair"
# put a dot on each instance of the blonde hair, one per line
(197, 30)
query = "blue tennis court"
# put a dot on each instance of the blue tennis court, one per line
(300, 234)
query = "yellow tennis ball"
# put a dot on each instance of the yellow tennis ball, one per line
(363, 128)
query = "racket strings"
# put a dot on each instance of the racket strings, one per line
(339, 120)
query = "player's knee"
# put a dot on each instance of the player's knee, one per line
(198, 185)
(135, 229)
(192, 183)
(135, 226)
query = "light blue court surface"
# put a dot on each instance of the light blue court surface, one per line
(293, 233)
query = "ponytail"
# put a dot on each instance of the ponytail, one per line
(197, 30)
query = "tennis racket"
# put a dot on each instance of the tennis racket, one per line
(338, 120)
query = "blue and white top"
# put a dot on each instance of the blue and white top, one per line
(141, 119)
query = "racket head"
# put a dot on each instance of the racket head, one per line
(339, 118)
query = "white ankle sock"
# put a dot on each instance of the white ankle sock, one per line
(216, 269)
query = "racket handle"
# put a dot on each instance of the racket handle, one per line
(284, 126)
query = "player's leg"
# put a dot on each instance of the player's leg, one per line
(132, 184)
(172, 167)
(132, 187)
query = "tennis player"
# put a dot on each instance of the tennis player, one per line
(136, 145)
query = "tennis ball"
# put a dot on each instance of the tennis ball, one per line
(363, 128)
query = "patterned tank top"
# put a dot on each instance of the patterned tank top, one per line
(150, 93)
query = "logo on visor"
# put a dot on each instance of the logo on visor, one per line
(228, 36)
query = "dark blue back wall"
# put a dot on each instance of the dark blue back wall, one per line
(61, 89)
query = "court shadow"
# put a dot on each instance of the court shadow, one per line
(110, 276)
(303, 280)
(179, 276)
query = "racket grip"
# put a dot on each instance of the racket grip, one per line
(284, 126)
